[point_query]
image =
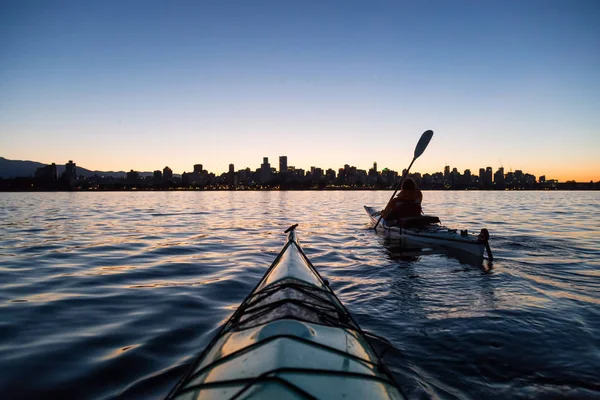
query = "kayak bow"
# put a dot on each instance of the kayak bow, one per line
(290, 338)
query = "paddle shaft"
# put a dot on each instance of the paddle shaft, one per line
(397, 187)
(489, 251)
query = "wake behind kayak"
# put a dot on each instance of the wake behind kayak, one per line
(290, 338)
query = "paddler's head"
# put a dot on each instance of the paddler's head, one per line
(409, 184)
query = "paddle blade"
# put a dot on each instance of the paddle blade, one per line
(423, 142)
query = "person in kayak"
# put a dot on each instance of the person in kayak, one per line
(406, 204)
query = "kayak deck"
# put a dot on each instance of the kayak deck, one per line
(432, 234)
(290, 338)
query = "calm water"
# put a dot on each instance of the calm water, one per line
(108, 295)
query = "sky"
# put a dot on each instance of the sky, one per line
(120, 85)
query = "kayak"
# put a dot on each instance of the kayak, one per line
(427, 229)
(290, 338)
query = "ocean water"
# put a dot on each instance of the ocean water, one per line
(106, 295)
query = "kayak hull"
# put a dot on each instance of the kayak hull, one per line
(290, 338)
(431, 235)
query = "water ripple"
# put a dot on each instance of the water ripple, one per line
(106, 295)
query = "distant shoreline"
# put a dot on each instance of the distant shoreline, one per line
(332, 189)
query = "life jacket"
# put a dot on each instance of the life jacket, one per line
(406, 204)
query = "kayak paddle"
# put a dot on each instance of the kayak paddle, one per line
(421, 146)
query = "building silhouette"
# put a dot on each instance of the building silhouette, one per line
(47, 174)
(133, 177)
(265, 170)
(499, 178)
(157, 178)
(70, 173)
(283, 165)
(488, 177)
(167, 174)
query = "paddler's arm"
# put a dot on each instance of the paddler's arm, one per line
(387, 210)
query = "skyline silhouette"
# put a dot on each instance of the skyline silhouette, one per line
(274, 168)
(286, 177)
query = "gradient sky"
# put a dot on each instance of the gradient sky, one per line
(116, 85)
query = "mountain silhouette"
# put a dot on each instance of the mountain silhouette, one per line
(18, 168)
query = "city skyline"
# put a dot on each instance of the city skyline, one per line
(282, 161)
(118, 85)
(266, 171)
(53, 177)
(276, 164)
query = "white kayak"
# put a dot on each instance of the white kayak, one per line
(428, 230)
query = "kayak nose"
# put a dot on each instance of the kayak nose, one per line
(286, 327)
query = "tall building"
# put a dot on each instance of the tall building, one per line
(157, 177)
(231, 175)
(509, 179)
(447, 172)
(375, 166)
(71, 173)
(499, 177)
(167, 174)
(283, 164)
(330, 175)
(455, 176)
(132, 177)
(467, 176)
(265, 170)
(197, 168)
(519, 177)
(47, 173)
(488, 176)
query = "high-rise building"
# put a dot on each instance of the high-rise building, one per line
(467, 177)
(488, 176)
(455, 176)
(447, 171)
(519, 178)
(375, 166)
(48, 173)
(167, 174)
(157, 177)
(265, 170)
(71, 173)
(330, 175)
(283, 164)
(197, 168)
(529, 179)
(231, 175)
(499, 177)
(509, 179)
(132, 177)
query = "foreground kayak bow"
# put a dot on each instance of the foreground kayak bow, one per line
(290, 338)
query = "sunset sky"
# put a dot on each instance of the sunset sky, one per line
(116, 85)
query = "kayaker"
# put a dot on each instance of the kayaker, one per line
(406, 204)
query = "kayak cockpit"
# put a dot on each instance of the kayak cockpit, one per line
(419, 221)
